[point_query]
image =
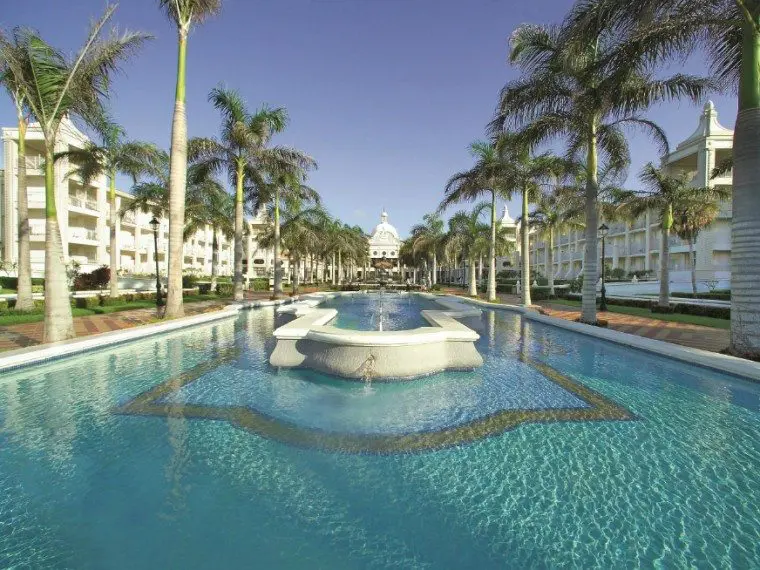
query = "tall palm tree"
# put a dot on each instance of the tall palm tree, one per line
(693, 214)
(276, 187)
(113, 156)
(466, 231)
(556, 211)
(184, 14)
(730, 30)
(55, 86)
(484, 178)
(528, 174)
(428, 238)
(571, 89)
(666, 194)
(242, 150)
(14, 47)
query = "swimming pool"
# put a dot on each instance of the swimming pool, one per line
(188, 451)
(396, 310)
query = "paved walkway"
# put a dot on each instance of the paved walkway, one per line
(694, 336)
(30, 334)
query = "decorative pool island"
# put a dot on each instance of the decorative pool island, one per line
(390, 347)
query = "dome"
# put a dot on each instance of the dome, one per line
(384, 230)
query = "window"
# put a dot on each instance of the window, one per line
(258, 261)
(383, 254)
(374, 253)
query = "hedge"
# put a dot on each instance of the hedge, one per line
(189, 281)
(260, 284)
(3, 304)
(715, 295)
(12, 282)
(683, 308)
(204, 288)
(86, 302)
(225, 289)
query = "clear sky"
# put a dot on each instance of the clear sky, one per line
(385, 94)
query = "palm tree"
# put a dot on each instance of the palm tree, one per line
(571, 89)
(690, 216)
(484, 178)
(427, 238)
(465, 235)
(54, 87)
(730, 29)
(184, 14)
(556, 212)
(113, 156)
(15, 48)
(666, 194)
(244, 150)
(275, 187)
(527, 174)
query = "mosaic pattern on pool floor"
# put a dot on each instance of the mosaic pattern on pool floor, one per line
(571, 401)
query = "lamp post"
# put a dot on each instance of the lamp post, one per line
(154, 223)
(603, 229)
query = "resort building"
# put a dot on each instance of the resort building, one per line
(635, 246)
(84, 218)
(383, 245)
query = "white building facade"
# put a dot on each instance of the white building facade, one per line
(635, 246)
(84, 219)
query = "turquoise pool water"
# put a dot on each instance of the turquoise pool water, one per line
(365, 311)
(188, 451)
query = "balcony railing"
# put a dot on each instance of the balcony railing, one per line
(128, 218)
(35, 162)
(85, 203)
(617, 228)
(639, 223)
(83, 233)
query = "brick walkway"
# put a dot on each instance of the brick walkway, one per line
(694, 336)
(30, 334)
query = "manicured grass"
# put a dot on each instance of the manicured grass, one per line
(7, 291)
(10, 317)
(641, 312)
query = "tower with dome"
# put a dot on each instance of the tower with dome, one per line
(384, 244)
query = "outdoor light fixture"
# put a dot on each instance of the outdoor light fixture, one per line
(603, 231)
(154, 223)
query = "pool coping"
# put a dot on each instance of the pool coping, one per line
(745, 369)
(37, 354)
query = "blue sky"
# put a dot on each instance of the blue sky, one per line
(385, 94)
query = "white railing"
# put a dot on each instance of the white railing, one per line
(617, 228)
(85, 203)
(83, 233)
(35, 162)
(128, 218)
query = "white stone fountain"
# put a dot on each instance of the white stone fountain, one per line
(309, 342)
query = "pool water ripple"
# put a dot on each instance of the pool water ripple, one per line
(81, 485)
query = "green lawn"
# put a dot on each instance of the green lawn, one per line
(641, 312)
(9, 317)
(7, 291)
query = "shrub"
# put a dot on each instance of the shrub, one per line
(189, 281)
(128, 297)
(260, 284)
(618, 274)
(225, 289)
(111, 301)
(640, 273)
(539, 294)
(505, 288)
(3, 304)
(39, 304)
(86, 302)
(204, 288)
(12, 282)
(576, 285)
(38, 288)
(541, 280)
(507, 274)
(436, 287)
(658, 309)
(94, 280)
(703, 311)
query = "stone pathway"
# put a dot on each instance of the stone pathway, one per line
(694, 336)
(30, 334)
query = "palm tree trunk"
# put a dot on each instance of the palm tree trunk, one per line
(525, 254)
(177, 187)
(693, 261)
(434, 281)
(480, 269)
(664, 300)
(277, 269)
(745, 230)
(333, 272)
(550, 262)
(590, 250)
(59, 324)
(473, 281)
(214, 258)
(238, 278)
(297, 275)
(492, 252)
(24, 301)
(114, 272)
(340, 268)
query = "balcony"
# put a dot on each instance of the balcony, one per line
(636, 249)
(639, 224)
(128, 219)
(35, 197)
(83, 259)
(128, 245)
(82, 235)
(564, 239)
(86, 204)
(35, 165)
(726, 211)
(37, 231)
(617, 228)
(577, 255)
